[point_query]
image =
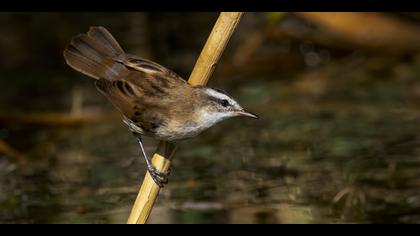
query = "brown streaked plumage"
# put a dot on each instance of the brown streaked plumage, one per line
(154, 100)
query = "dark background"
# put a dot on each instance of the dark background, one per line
(338, 96)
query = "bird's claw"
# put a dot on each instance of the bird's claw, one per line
(160, 178)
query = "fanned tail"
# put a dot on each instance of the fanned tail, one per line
(96, 54)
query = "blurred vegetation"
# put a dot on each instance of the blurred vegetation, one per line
(337, 93)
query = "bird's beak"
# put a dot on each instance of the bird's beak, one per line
(248, 114)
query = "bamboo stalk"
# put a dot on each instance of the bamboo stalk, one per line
(214, 47)
(203, 69)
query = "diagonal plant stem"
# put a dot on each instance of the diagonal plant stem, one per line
(203, 69)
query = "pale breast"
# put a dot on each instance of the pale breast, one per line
(178, 132)
(190, 127)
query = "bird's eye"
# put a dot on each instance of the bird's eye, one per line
(225, 103)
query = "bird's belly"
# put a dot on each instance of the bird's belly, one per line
(180, 131)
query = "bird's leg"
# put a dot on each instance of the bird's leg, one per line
(160, 178)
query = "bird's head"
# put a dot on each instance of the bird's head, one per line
(218, 105)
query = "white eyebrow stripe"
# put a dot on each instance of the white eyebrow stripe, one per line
(218, 95)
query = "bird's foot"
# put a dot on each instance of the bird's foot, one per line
(160, 178)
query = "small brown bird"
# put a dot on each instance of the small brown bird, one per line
(154, 100)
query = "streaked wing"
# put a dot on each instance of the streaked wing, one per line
(135, 103)
(149, 69)
(147, 95)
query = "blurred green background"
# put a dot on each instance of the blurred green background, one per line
(338, 138)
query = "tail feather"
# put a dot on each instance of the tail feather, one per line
(89, 48)
(77, 61)
(106, 39)
(94, 54)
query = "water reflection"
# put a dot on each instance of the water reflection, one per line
(331, 155)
